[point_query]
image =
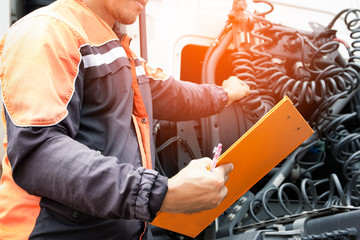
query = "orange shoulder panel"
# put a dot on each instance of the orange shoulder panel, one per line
(40, 57)
(38, 70)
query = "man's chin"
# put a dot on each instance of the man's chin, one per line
(128, 21)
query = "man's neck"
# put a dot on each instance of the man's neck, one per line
(99, 9)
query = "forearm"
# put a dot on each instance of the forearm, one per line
(50, 164)
(178, 100)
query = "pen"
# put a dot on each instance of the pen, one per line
(217, 152)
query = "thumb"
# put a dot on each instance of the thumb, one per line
(224, 169)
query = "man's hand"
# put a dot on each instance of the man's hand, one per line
(235, 88)
(195, 188)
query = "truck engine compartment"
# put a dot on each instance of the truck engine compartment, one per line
(314, 192)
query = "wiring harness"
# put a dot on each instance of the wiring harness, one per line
(310, 68)
(307, 67)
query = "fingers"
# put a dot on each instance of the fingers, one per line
(223, 194)
(201, 162)
(207, 161)
(235, 88)
(225, 169)
(195, 188)
(222, 171)
(226, 177)
(236, 80)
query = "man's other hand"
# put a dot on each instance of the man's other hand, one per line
(195, 188)
(235, 88)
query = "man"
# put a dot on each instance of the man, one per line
(79, 107)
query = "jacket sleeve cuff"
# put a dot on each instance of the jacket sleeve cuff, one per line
(223, 96)
(152, 190)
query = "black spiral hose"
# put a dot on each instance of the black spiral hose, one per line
(262, 26)
(323, 86)
(344, 145)
(323, 116)
(253, 68)
(327, 82)
(304, 197)
(257, 103)
(352, 21)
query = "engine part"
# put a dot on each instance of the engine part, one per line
(319, 181)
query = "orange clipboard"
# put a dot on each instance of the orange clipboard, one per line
(254, 154)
